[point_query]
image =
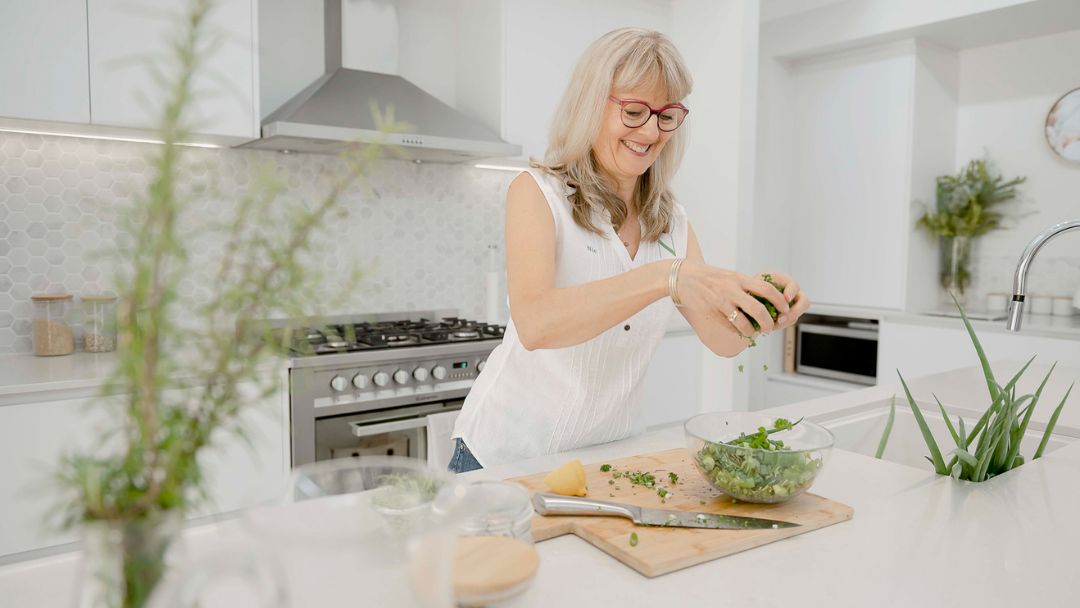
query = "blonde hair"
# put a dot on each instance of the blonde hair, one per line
(623, 59)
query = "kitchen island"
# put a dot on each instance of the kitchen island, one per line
(916, 539)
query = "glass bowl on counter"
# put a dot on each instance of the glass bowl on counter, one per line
(780, 472)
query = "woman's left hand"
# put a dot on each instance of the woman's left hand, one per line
(796, 297)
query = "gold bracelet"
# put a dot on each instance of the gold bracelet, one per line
(673, 282)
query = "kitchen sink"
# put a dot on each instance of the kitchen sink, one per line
(859, 430)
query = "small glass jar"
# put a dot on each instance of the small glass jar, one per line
(497, 508)
(99, 323)
(52, 329)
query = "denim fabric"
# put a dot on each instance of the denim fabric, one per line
(462, 461)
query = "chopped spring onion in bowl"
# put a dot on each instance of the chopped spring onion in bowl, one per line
(756, 458)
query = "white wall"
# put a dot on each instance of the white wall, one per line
(716, 182)
(1005, 93)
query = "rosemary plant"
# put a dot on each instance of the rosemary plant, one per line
(992, 446)
(185, 366)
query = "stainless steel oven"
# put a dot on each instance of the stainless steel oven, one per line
(840, 348)
(399, 431)
(372, 394)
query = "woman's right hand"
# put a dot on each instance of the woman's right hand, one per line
(726, 295)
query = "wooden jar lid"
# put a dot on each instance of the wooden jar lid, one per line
(490, 569)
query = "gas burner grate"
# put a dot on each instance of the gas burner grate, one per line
(349, 337)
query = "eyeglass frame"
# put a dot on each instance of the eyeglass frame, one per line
(623, 102)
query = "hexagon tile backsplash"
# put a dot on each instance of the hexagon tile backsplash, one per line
(420, 232)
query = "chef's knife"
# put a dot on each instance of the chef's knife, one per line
(552, 504)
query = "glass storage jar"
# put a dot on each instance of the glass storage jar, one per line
(99, 323)
(52, 329)
(497, 508)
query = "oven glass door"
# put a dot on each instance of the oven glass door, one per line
(392, 432)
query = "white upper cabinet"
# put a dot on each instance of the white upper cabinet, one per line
(865, 133)
(43, 61)
(130, 52)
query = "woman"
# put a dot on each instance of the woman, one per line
(597, 252)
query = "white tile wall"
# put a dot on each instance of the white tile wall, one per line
(420, 235)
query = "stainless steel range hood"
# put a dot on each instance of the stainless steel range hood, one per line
(334, 112)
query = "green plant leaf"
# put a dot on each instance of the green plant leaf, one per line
(1021, 428)
(928, 437)
(948, 423)
(888, 429)
(1002, 394)
(991, 383)
(965, 457)
(1050, 425)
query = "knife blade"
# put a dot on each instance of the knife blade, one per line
(553, 504)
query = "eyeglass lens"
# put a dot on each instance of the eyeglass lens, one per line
(636, 114)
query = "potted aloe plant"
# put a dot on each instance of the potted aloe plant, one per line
(966, 206)
(181, 363)
(992, 446)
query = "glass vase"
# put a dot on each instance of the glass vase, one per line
(955, 267)
(123, 562)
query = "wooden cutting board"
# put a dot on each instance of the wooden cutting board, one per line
(663, 550)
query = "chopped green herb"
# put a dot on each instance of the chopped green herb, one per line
(765, 367)
(611, 482)
(633, 539)
(617, 474)
(766, 471)
(640, 478)
(604, 468)
(702, 501)
(740, 368)
(662, 493)
(769, 306)
(673, 477)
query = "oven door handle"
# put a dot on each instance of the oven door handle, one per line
(366, 430)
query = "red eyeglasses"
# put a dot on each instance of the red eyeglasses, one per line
(636, 113)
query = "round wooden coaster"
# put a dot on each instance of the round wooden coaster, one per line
(492, 568)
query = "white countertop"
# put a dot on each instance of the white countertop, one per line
(1051, 326)
(25, 377)
(23, 374)
(916, 539)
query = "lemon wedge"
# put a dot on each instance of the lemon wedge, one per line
(568, 480)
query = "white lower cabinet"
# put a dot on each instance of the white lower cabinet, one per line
(34, 437)
(783, 391)
(670, 390)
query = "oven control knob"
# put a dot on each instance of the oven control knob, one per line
(439, 372)
(401, 376)
(480, 365)
(381, 378)
(360, 381)
(420, 374)
(338, 383)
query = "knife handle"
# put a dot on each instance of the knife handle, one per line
(553, 504)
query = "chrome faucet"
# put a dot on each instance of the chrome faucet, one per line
(1016, 306)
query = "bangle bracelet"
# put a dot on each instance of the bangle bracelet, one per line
(673, 282)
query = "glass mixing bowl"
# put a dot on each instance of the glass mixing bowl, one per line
(755, 474)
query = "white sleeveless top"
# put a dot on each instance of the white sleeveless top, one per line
(530, 403)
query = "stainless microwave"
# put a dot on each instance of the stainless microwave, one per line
(840, 348)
